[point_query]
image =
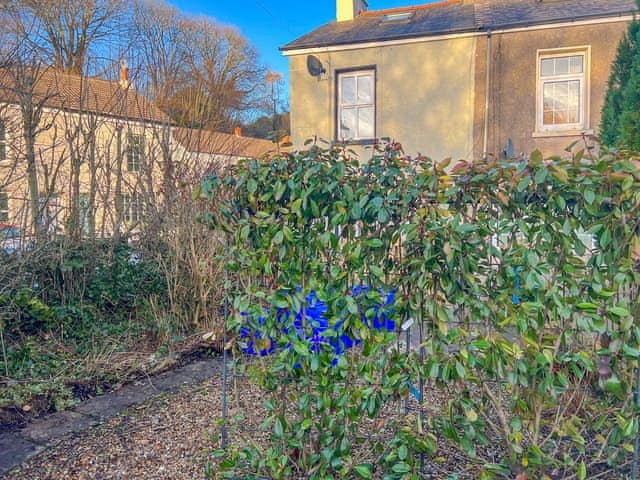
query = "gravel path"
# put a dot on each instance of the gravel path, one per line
(164, 437)
(159, 439)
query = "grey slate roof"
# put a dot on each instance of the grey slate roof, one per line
(459, 17)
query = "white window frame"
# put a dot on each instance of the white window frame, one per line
(135, 152)
(566, 129)
(355, 73)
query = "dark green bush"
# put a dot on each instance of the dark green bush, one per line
(620, 123)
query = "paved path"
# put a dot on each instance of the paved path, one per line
(17, 447)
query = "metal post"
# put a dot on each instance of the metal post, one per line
(223, 433)
(636, 449)
(407, 352)
(420, 377)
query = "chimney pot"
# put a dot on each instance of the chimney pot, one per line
(350, 9)
(124, 74)
(237, 131)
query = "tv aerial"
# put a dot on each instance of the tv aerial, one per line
(315, 66)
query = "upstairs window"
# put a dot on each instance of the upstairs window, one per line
(3, 141)
(135, 152)
(356, 105)
(562, 91)
(4, 207)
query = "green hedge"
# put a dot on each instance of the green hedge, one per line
(519, 274)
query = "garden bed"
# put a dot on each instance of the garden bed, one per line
(81, 377)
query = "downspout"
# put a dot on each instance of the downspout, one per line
(485, 141)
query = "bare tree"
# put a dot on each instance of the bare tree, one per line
(159, 50)
(225, 72)
(63, 33)
(203, 74)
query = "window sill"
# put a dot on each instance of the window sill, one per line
(562, 133)
(364, 141)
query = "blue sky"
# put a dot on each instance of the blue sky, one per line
(269, 24)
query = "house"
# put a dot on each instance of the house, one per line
(95, 156)
(457, 78)
(76, 149)
(222, 148)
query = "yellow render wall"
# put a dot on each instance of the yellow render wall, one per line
(425, 96)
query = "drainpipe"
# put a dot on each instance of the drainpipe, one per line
(485, 142)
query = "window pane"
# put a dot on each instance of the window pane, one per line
(562, 65)
(561, 90)
(366, 122)
(561, 102)
(548, 117)
(348, 123)
(365, 89)
(560, 116)
(548, 97)
(348, 91)
(574, 94)
(546, 67)
(572, 116)
(576, 64)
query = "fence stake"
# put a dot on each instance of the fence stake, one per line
(223, 433)
(636, 449)
(420, 378)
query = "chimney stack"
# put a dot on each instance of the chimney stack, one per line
(124, 74)
(350, 9)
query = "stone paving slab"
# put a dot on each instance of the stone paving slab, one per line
(104, 407)
(202, 370)
(169, 382)
(56, 425)
(17, 447)
(14, 450)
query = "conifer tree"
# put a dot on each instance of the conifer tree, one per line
(620, 123)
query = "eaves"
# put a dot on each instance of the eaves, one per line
(446, 35)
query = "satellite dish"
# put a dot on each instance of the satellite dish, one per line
(314, 66)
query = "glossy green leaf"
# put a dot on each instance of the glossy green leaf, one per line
(363, 470)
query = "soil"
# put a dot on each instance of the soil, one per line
(12, 417)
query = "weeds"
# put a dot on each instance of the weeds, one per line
(78, 320)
